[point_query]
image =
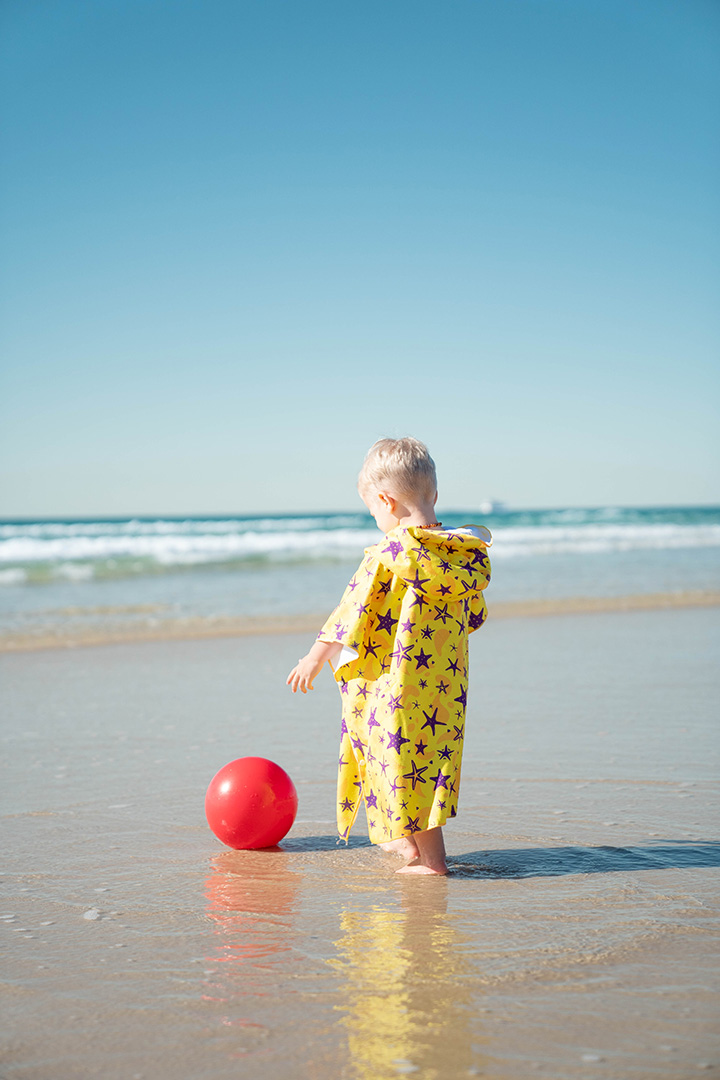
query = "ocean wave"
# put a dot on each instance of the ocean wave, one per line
(587, 539)
(37, 552)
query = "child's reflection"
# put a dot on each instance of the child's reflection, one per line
(407, 997)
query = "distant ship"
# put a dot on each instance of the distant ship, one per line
(492, 506)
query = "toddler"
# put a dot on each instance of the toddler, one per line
(398, 643)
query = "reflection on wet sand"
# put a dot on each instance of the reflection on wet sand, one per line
(406, 994)
(251, 899)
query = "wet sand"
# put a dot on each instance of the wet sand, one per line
(576, 936)
(75, 627)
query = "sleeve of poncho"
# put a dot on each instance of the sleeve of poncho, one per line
(350, 623)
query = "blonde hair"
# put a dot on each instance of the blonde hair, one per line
(402, 466)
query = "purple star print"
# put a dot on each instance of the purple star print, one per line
(394, 547)
(422, 659)
(441, 781)
(385, 622)
(416, 775)
(432, 721)
(396, 740)
(417, 582)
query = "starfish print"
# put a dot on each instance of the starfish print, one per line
(445, 589)
(427, 632)
(440, 780)
(432, 721)
(385, 587)
(416, 776)
(401, 652)
(452, 666)
(422, 658)
(445, 753)
(443, 613)
(421, 551)
(396, 740)
(395, 787)
(443, 687)
(385, 622)
(372, 722)
(419, 600)
(459, 732)
(358, 744)
(371, 799)
(423, 684)
(394, 547)
(417, 582)
(463, 696)
(420, 747)
(362, 609)
(394, 704)
(346, 804)
(413, 824)
(407, 626)
(362, 690)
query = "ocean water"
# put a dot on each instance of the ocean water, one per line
(141, 569)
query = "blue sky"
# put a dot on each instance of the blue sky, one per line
(241, 240)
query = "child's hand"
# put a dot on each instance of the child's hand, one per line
(302, 675)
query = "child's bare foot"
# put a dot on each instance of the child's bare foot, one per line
(418, 867)
(430, 858)
(404, 847)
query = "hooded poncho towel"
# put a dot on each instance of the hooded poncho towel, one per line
(404, 622)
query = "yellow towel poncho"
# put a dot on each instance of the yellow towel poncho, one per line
(404, 621)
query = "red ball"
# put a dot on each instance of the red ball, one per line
(251, 803)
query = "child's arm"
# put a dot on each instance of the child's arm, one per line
(302, 675)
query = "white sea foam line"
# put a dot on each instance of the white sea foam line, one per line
(173, 547)
(167, 548)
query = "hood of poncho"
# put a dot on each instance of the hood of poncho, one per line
(449, 563)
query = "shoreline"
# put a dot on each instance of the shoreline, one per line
(209, 627)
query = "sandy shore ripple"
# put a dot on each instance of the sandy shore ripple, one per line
(72, 634)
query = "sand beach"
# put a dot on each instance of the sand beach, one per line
(577, 935)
